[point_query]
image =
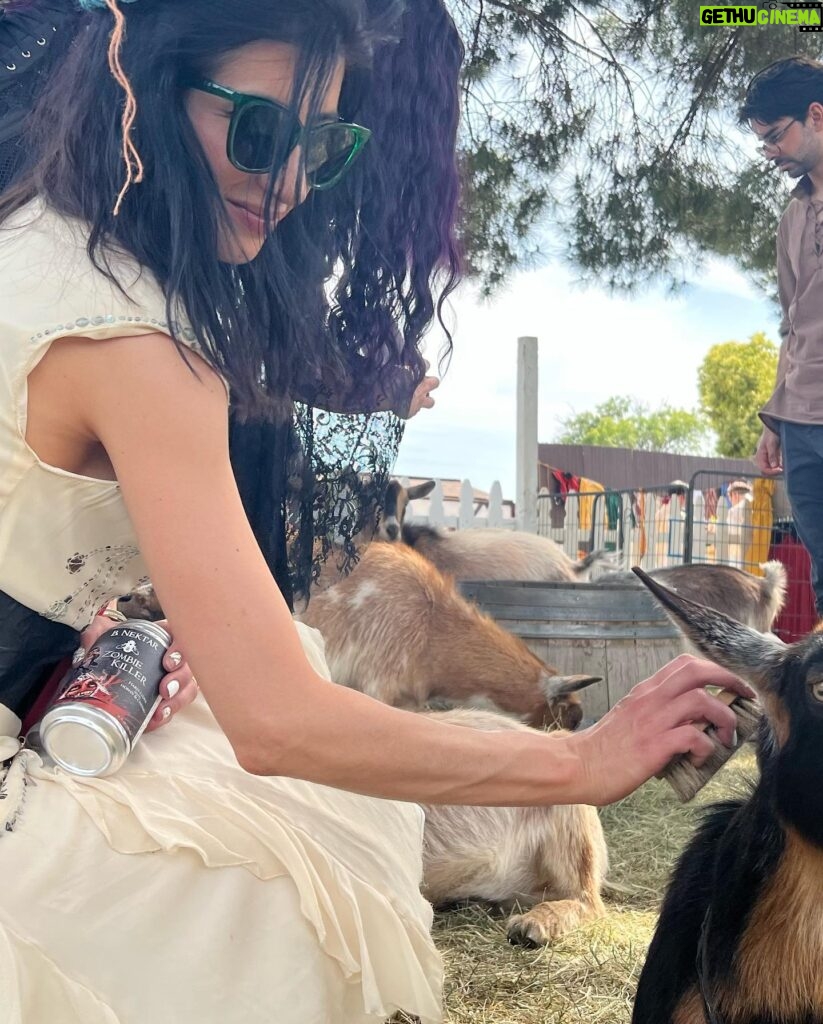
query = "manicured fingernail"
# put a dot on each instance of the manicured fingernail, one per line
(166, 714)
(175, 659)
(734, 738)
(172, 688)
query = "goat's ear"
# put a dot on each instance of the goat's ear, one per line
(559, 686)
(421, 490)
(757, 657)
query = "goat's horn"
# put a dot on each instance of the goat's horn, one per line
(558, 686)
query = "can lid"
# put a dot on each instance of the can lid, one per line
(77, 744)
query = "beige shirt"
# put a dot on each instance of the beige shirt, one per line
(798, 394)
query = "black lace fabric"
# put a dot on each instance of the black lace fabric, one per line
(312, 486)
(352, 457)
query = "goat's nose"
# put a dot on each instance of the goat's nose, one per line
(392, 531)
(571, 716)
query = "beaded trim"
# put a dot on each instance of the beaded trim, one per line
(186, 333)
(104, 567)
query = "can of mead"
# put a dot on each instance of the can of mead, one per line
(106, 700)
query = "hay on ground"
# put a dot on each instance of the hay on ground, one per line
(590, 975)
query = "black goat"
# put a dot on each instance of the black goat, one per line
(740, 935)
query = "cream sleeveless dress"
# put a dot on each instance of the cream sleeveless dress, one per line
(181, 890)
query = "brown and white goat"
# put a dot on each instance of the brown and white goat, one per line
(395, 504)
(549, 861)
(740, 935)
(753, 600)
(398, 629)
(497, 554)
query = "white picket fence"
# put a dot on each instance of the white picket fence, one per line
(438, 510)
(653, 533)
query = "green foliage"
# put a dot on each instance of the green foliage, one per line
(734, 380)
(623, 422)
(607, 133)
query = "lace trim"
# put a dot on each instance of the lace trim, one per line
(14, 781)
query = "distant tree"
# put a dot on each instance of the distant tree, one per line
(623, 422)
(734, 381)
(604, 131)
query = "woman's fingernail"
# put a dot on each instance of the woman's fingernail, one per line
(175, 659)
(166, 714)
(172, 688)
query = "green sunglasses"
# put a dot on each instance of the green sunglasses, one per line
(259, 127)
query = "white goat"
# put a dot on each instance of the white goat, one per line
(398, 629)
(497, 554)
(551, 861)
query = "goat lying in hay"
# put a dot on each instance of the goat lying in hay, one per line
(740, 935)
(496, 554)
(753, 600)
(398, 629)
(551, 861)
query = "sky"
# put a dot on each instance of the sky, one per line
(592, 345)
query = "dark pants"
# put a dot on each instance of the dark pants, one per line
(802, 446)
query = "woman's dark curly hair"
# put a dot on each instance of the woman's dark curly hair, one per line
(335, 305)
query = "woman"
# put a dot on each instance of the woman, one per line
(215, 876)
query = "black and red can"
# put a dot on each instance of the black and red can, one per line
(106, 700)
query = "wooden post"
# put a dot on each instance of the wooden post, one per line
(527, 434)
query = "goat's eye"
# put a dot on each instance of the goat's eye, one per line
(817, 691)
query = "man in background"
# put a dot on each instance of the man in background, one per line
(784, 108)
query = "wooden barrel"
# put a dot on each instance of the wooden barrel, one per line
(616, 631)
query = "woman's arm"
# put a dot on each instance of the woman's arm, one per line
(165, 431)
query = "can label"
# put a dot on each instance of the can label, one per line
(120, 675)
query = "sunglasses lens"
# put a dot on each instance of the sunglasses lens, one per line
(259, 137)
(329, 151)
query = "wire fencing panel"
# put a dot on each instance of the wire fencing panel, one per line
(710, 520)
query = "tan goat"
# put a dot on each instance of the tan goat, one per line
(550, 861)
(497, 554)
(753, 600)
(397, 629)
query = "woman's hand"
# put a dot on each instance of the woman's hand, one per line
(421, 399)
(178, 687)
(658, 719)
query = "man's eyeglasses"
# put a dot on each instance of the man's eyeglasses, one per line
(262, 132)
(772, 140)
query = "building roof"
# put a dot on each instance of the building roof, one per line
(451, 489)
(622, 469)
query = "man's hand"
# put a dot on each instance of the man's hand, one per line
(768, 458)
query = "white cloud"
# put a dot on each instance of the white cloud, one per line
(592, 345)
